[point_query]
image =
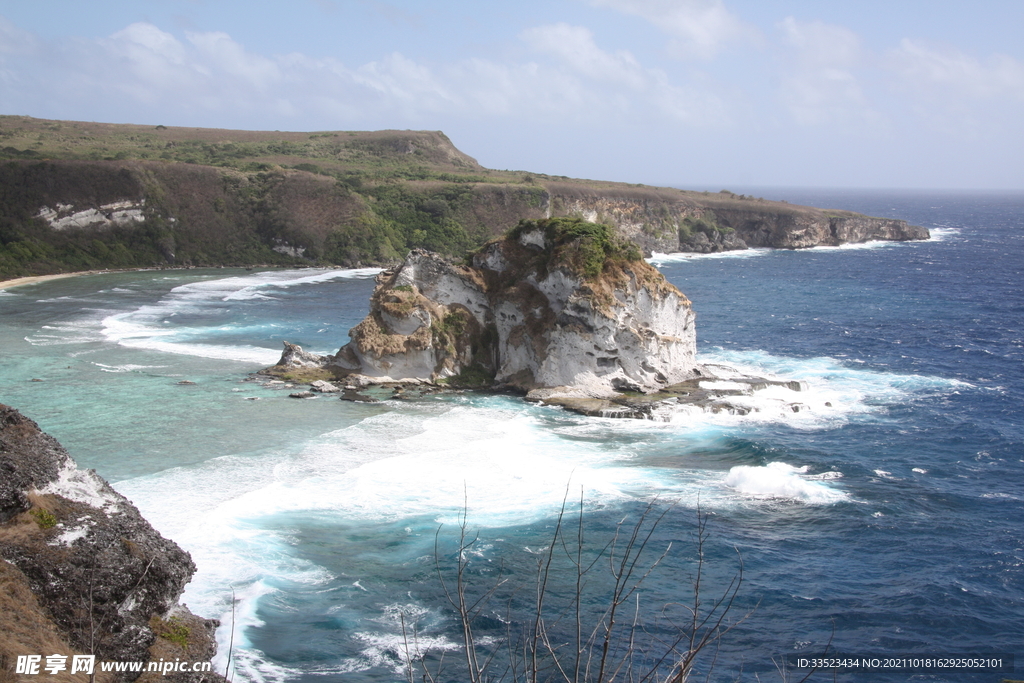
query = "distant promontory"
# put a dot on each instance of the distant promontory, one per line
(82, 196)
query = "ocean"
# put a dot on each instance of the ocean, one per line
(884, 518)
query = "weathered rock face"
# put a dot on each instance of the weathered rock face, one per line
(102, 580)
(538, 311)
(658, 220)
(711, 242)
(802, 227)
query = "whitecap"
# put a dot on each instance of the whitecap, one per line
(60, 334)
(831, 393)
(243, 287)
(658, 258)
(943, 233)
(148, 326)
(128, 367)
(781, 480)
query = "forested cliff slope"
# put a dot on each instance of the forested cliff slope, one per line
(76, 196)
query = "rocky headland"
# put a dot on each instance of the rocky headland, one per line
(562, 310)
(82, 572)
(89, 196)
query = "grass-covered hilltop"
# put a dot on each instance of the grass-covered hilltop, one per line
(80, 196)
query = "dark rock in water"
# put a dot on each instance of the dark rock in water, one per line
(356, 397)
(94, 575)
(186, 382)
(35, 380)
(294, 356)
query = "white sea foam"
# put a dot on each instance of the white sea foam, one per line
(247, 662)
(396, 465)
(657, 258)
(133, 335)
(402, 636)
(508, 462)
(148, 327)
(780, 480)
(831, 394)
(249, 286)
(60, 334)
(128, 367)
(853, 246)
(396, 651)
(943, 234)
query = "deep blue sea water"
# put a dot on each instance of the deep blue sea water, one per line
(887, 517)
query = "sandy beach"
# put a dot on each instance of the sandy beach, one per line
(17, 282)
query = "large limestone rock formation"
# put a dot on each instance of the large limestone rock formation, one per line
(559, 306)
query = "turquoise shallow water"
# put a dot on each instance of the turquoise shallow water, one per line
(894, 513)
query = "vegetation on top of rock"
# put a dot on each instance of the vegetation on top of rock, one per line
(581, 246)
(707, 223)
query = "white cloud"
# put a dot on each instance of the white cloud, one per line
(821, 44)
(701, 28)
(924, 67)
(141, 61)
(819, 84)
(13, 43)
(13, 40)
(403, 80)
(208, 78)
(218, 51)
(617, 82)
(575, 46)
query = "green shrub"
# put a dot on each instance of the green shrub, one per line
(44, 518)
(584, 247)
(174, 630)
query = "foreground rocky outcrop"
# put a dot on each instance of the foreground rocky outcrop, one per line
(82, 572)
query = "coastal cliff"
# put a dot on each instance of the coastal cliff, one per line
(80, 196)
(81, 571)
(559, 306)
(666, 221)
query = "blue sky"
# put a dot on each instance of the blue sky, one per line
(692, 93)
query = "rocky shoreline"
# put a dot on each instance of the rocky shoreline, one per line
(716, 390)
(82, 572)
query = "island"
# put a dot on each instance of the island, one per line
(561, 310)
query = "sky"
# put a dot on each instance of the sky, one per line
(702, 94)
